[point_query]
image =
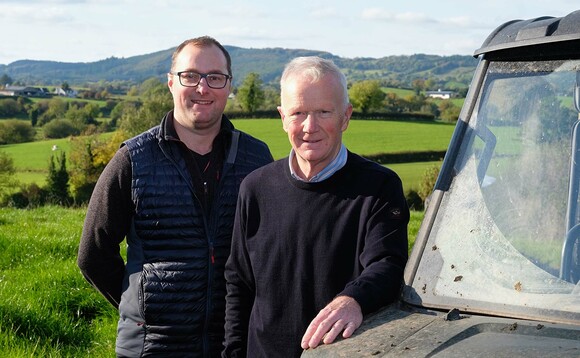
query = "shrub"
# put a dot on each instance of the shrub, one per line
(60, 128)
(121, 108)
(29, 196)
(9, 107)
(88, 157)
(157, 101)
(15, 131)
(428, 181)
(448, 112)
(366, 95)
(57, 181)
(250, 93)
(55, 109)
(7, 171)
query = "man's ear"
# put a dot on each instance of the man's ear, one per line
(347, 114)
(230, 84)
(281, 111)
(170, 82)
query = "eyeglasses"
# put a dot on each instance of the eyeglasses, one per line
(192, 79)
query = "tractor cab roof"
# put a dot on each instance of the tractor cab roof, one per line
(543, 37)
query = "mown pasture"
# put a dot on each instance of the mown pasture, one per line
(363, 137)
(400, 92)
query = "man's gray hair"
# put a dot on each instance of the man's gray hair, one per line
(315, 68)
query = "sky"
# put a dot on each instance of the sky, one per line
(92, 30)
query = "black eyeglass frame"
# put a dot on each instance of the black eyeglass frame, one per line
(201, 76)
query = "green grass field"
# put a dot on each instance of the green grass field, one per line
(400, 92)
(367, 138)
(362, 137)
(31, 159)
(412, 173)
(47, 309)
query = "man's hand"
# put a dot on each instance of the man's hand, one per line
(342, 314)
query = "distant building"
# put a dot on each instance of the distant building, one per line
(440, 94)
(15, 91)
(68, 93)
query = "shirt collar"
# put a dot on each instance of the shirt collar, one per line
(325, 173)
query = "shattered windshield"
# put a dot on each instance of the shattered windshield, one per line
(505, 236)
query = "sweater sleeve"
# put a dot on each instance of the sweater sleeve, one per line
(106, 224)
(240, 286)
(385, 250)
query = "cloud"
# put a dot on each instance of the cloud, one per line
(31, 2)
(461, 21)
(245, 32)
(31, 13)
(249, 11)
(377, 14)
(383, 15)
(323, 12)
(462, 45)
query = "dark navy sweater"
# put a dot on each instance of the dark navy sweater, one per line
(297, 245)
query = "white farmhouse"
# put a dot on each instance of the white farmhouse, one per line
(440, 94)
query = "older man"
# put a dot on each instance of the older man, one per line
(320, 237)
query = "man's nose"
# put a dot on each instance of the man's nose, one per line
(202, 86)
(311, 122)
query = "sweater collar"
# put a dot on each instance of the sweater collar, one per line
(337, 163)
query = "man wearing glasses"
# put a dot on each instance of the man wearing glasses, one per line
(171, 192)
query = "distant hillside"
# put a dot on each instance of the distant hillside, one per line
(454, 71)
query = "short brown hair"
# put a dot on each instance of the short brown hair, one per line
(203, 41)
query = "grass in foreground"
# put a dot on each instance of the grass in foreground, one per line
(47, 309)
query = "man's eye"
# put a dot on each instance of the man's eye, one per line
(188, 75)
(298, 115)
